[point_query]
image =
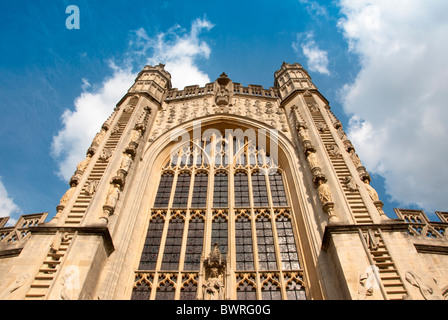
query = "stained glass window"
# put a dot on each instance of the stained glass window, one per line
(152, 243)
(220, 233)
(173, 244)
(164, 191)
(220, 192)
(287, 245)
(277, 190)
(265, 240)
(195, 241)
(260, 192)
(243, 243)
(199, 197)
(241, 190)
(182, 187)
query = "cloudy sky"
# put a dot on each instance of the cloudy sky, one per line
(381, 64)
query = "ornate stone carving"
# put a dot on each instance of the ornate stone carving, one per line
(90, 187)
(429, 291)
(333, 151)
(215, 269)
(111, 202)
(20, 281)
(222, 97)
(326, 200)
(350, 184)
(106, 154)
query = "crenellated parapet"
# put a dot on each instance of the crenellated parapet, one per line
(14, 238)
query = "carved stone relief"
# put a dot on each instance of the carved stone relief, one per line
(429, 291)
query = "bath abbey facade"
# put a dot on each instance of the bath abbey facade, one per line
(223, 192)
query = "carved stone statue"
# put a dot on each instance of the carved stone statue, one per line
(322, 127)
(312, 159)
(355, 158)
(351, 184)
(334, 151)
(213, 288)
(303, 134)
(90, 187)
(99, 137)
(126, 162)
(84, 163)
(106, 154)
(214, 270)
(372, 192)
(324, 192)
(68, 194)
(113, 196)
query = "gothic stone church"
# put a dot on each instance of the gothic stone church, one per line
(223, 192)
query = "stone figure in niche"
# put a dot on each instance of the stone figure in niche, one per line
(126, 162)
(84, 163)
(213, 288)
(115, 129)
(99, 137)
(113, 196)
(342, 134)
(355, 159)
(324, 192)
(322, 127)
(312, 159)
(66, 197)
(372, 192)
(111, 202)
(334, 151)
(90, 187)
(303, 134)
(106, 154)
(351, 184)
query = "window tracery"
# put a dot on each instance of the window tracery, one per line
(251, 221)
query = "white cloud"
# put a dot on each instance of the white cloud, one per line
(317, 59)
(177, 49)
(314, 8)
(398, 100)
(7, 205)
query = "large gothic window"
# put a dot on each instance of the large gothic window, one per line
(212, 192)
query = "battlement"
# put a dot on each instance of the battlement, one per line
(209, 89)
(13, 238)
(419, 225)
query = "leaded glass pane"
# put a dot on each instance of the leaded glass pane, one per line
(220, 233)
(152, 243)
(259, 190)
(164, 191)
(182, 190)
(265, 240)
(243, 242)
(277, 190)
(241, 190)
(287, 245)
(195, 241)
(173, 244)
(220, 192)
(199, 197)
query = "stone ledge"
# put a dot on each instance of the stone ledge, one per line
(102, 231)
(354, 228)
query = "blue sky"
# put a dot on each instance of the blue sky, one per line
(381, 64)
